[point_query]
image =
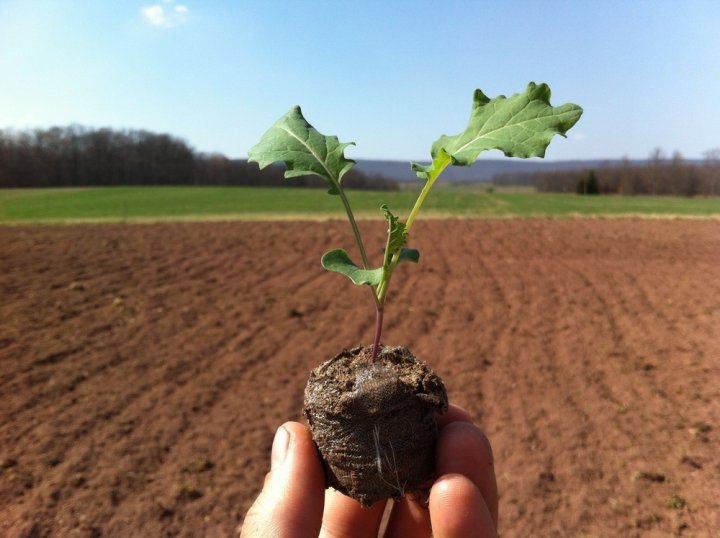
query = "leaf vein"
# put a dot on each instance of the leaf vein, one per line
(330, 175)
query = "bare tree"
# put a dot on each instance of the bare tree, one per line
(712, 170)
(656, 159)
(76, 156)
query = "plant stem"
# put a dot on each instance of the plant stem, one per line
(440, 163)
(355, 229)
(378, 332)
(358, 237)
(389, 263)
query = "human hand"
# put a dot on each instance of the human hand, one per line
(463, 500)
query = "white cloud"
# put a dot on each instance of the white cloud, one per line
(166, 14)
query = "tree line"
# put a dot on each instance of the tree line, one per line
(656, 176)
(77, 156)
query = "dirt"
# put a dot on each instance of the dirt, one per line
(374, 422)
(145, 368)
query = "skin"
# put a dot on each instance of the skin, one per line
(463, 500)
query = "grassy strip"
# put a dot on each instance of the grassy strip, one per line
(167, 203)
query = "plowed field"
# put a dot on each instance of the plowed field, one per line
(144, 368)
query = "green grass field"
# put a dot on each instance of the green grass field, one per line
(167, 203)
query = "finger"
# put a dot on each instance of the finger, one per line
(464, 449)
(412, 518)
(346, 517)
(457, 509)
(408, 518)
(291, 502)
(455, 413)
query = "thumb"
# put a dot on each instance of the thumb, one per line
(291, 502)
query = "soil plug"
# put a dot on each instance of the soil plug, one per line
(374, 423)
(371, 410)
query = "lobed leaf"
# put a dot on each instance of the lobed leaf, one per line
(397, 237)
(303, 149)
(520, 126)
(397, 234)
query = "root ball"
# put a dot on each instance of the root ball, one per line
(374, 424)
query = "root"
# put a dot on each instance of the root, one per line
(383, 460)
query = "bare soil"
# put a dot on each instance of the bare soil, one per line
(145, 368)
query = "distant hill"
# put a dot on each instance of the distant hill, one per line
(485, 169)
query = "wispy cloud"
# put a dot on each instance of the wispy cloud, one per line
(166, 14)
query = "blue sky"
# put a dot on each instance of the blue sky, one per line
(390, 75)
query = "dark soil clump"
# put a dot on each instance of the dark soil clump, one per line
(374, 424)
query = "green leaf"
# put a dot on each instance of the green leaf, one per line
(409, 255)
(338, 261)
(397, 235)
(303, 149)
(438, 164)
(520, 126)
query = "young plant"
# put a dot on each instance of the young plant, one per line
(520, 126)
(371, 410)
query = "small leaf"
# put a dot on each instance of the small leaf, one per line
(409, 255)
(338, 261)
(303, 149)
(397, 237)
(397, 234)
(439, 162)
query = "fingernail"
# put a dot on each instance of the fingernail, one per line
(279, 447)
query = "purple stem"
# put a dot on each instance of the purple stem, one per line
(378, 332)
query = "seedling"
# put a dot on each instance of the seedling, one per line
(520, 126)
